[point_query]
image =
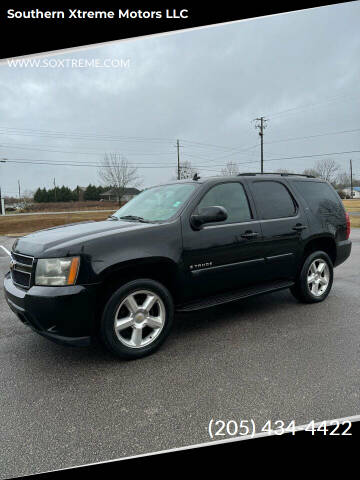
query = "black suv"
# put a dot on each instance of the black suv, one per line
(182, 246)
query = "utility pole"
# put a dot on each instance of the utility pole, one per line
(351, 180)
(178, 159)
(19, 190)
(261, 125)
(2, 201)
(54, 189)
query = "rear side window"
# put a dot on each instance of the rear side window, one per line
(232, 197)
(273, 200)
(320, 197)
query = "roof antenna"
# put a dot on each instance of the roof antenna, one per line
(196, 177)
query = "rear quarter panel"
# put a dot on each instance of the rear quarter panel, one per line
(324, 210)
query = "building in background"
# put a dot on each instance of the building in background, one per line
(111, 195)
(356, 192)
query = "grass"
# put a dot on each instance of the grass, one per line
(355, 221)
(20, 225)
(352, 205)
(69, 206)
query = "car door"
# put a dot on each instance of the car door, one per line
(225, 255)
(283, 225)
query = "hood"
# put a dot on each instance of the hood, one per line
(72, 235)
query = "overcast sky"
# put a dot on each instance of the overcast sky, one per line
(300, 70)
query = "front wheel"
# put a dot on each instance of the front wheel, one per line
(315, 279)
(137, 319)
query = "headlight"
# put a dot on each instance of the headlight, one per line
(57, 271)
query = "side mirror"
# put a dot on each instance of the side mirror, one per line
(208, 215)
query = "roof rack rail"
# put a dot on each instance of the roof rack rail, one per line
(282, 174)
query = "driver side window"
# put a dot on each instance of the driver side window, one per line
(232, 197)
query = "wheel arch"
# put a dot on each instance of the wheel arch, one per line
(160, 269)
(324, 243)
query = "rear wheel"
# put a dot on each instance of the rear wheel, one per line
(137, 319)
(315, 279)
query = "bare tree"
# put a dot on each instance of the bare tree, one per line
(327, 169)
(312, 172)
(186, 171)
(230, 169)
(343, 180)
(28, 195)
(116, 171)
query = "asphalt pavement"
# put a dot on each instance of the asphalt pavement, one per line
(262, 358)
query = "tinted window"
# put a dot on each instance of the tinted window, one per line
(273, 200)
(320, 197)
(232, 197)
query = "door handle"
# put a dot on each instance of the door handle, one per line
(299, 227)
(249, 235)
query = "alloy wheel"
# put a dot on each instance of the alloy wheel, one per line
(318, 277)
(139, 319)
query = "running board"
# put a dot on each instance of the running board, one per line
(233, 296)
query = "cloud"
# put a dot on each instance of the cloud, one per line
(202, 86)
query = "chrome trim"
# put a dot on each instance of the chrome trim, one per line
(28, 272)
(280, 256)
(279, 219)
(27, 269)
(250, 222)
(23, 264)
(25, 256)
(218, 267)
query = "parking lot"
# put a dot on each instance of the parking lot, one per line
(263, 358)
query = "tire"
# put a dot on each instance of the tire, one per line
(313, 292)
(143, 311)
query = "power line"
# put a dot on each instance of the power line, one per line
(91, 136)
(52, 163)
(84, 135)
(53, 133)
(66, 163)
(243, 151)
(97, 153)
(311, 105)
(236, 152)
(312, 136)
(79, 152)
(208, 145)
(306, 156)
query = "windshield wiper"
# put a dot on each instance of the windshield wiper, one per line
(134, 217)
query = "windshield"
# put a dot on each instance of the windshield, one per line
(157, 203)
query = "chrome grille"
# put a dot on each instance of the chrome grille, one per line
(21, 267)
(23, 259)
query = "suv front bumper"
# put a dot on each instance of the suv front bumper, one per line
(64, 315)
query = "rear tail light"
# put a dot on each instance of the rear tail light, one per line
(347, 225)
